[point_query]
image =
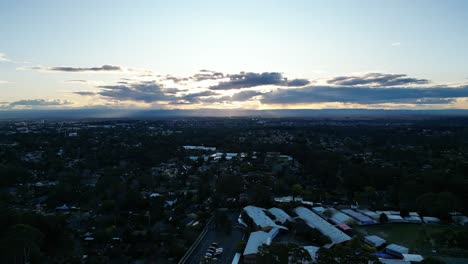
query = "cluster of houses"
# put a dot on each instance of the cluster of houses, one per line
(333, 223)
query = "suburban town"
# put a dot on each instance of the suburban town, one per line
(234, 190)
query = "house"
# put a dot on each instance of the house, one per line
(396, 250)
(374, 241)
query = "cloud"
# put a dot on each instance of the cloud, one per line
(251, 79)
(237, 97)
(3, 82)
(103, 68)
(395, 44)
(196, 97)
(85, 93)
(3, 57)
(146, 91)
(365, 95)
(376, 79)
(207, 75)
(38, 103)
(76, 81)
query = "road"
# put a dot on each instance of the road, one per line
(227, 242)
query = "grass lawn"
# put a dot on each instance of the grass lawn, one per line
(415, 237)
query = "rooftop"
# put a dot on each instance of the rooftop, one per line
(322, 225)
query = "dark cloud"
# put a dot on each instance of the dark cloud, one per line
(237, 97)
(172, 90)
(103, 68)
(147, 92)
(39, 103)
(376, 79)
(244, 95)
(175, 79)
(207, 75)
(365, 95)
(76, 81)
(196, 97)
(85, 93)
(251, 79)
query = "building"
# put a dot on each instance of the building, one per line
(373, 215)
(430, 220)
(360, 218)
(396, 250)
(395, 218)
(312, 252)
(460, 219)
(413, 258)
(339, 218)
(313, 220)
(279, 214)
(256, 239)
(260, 219)
(374, 241)
(413, 219)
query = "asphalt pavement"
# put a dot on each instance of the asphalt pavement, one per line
(227, 241)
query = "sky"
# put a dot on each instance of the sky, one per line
(234, 54)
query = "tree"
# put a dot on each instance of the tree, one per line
(22, 242)
(241, 246)
(352, 252)
(383, 218)
(282, 253)
(297, 190)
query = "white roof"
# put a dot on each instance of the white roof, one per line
(256, 239)
(375, 240)
(236, 258)
(414, 219)
(413, 257)
(319, 209)
(369, 213)
(280, 215)
(358, 216)
(397, 248)
(260, 218)
(199, 148)
(287, 199)
(312, 251)
(315, 221)
(393, 261)
(394, 217)
(339, 218)
(430, 219)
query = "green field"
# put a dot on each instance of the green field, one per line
(418, 238)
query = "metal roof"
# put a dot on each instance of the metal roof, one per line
(375, 241)
(280, 215)
(260, 218)
(315, 221)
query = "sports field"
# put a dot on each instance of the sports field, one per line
(418, 238)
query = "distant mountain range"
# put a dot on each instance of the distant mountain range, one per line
(98, 113)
